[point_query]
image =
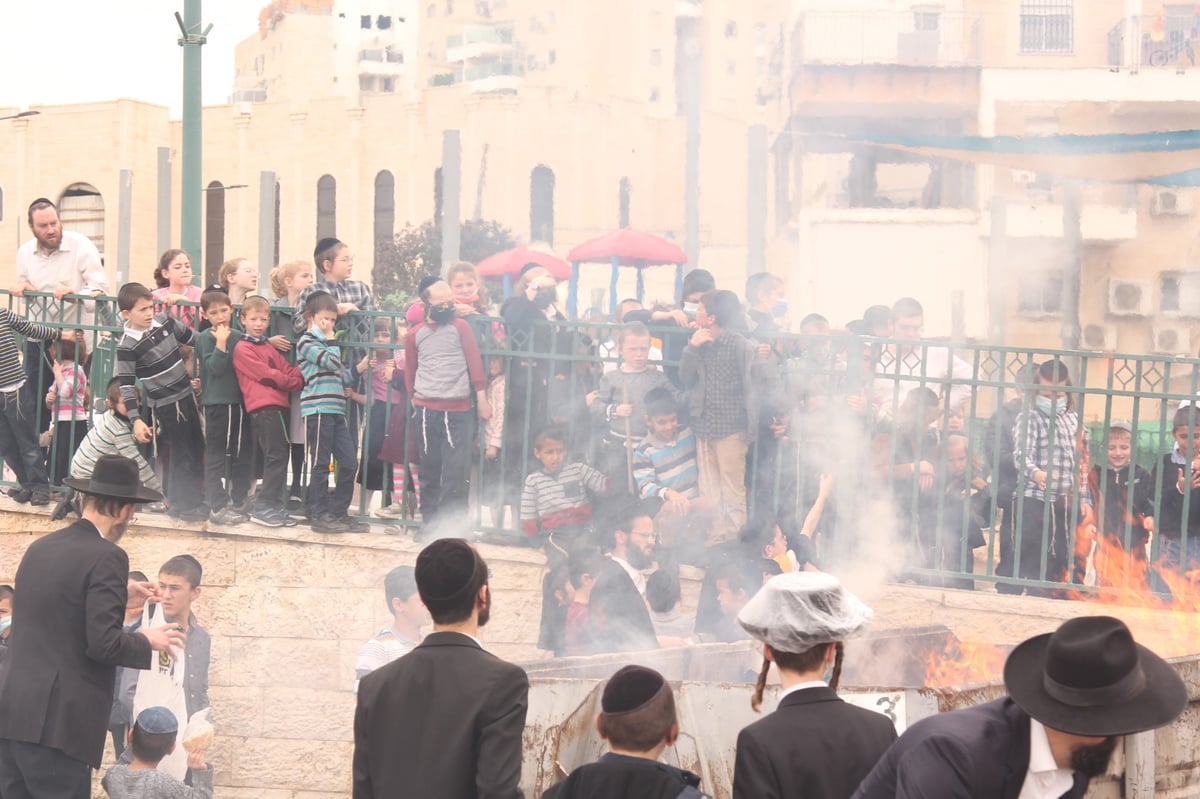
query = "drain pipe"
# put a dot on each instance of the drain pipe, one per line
(1139, 765)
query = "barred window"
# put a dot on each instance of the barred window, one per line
(1047, 26)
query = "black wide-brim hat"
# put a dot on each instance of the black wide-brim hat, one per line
(1090, 678)
(115, 477)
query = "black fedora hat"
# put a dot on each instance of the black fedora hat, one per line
(115, 477)
(1089, 677)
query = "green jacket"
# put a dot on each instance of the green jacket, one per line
(218, 383)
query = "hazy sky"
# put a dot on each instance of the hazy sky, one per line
(68, 51)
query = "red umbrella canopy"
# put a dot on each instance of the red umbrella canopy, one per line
(510, 262)
(630, 247)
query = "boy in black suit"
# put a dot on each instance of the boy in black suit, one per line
(814, 744)
(637, 718)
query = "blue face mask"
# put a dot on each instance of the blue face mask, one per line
(779, 309)
(5, 623)
(1048, 408)
(691, 308)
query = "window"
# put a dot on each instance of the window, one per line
(365, 22)
(385, 209)
(214, 231)
(383, 22)
(1047, 26)
(624, 189)
(389, 84)
(927, 20)
(552, 56)
(541, 204)
(654, 95)
(81, 210)
(1180, 293)
(326, 207)
(1040, 293)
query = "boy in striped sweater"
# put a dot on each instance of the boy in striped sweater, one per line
(18, 408)
(556, 502)
(148, 351)
(664, 466)
(323, 407)
(111, 434)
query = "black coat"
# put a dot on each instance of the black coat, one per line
(814, 744)
(445, 720)
(624, 777)
(67, 640)
(981, 752)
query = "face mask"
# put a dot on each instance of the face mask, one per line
(691, 309)
(1048, 408)
(441, 314)
(544, 298)
(5, 623)
(779, 309)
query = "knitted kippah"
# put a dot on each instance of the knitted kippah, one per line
(630, 689)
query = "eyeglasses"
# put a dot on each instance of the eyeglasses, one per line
(345, 259)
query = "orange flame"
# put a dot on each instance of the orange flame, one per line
(964, 663)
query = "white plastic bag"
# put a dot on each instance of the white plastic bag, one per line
(162, 685)
(198, 734)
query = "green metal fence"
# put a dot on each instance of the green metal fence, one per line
(837, 399)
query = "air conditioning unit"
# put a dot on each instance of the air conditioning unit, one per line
(1169, 202)
(1130, 298)
(1102, 338)
(1171, 339)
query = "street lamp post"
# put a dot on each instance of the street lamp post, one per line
(191, 41)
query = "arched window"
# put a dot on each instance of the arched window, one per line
(623, 191)
(385, 209)
(81, 209)
(214, 231)
(326, 207)
(541, 204)
(437, 196)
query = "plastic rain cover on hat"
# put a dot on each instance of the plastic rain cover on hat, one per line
(797, 611)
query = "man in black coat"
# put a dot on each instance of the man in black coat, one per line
(1072, 693)
(56, 689)
(446, 719)
(814, 744)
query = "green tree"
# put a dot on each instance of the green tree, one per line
(416, 252)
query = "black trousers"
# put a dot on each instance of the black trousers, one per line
(270, 432)
(179, 424)
(227, 453)
(33, 771)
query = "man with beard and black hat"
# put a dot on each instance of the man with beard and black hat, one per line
(56, 691)
(1072, 693)
(446, 719)
(637, 719)
(814, 744)
(618, 619)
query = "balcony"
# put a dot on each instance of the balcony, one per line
(1169, 40)
(479, 41)
(917, 39)
(1108, 214)
(485, 77)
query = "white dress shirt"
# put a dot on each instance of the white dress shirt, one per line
(1044, 779)
(75, 264)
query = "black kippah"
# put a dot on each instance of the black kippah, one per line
(631, 688)
(445, 569)
(323, 245)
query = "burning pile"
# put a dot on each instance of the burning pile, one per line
(964, 663)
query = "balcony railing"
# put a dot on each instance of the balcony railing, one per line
(923, 39)
(1161, 41)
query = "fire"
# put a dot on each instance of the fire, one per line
(964, 663)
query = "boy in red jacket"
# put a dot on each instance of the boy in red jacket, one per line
(266, 380)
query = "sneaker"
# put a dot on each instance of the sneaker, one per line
(353, 525)
(226, 516)
(272, 517)
(65, 506)
(39, 498)
(328, 523)
(199, 513)
(21, 495)
(393, 511)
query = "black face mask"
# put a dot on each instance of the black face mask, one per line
(544, 299)
(441, 314)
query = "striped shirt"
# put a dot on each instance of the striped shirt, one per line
(659, 467)
(381, 650)
(325, 378)
(110, 435)
(550, 501)
(152, 356)
(1049, 445)
(70, 403)
(12, 374)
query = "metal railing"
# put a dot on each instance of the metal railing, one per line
(903, 499)
(932, 39)
(1169, 40)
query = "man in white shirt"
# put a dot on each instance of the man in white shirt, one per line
(903, 367)
(61, 263)
(1072, 694)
